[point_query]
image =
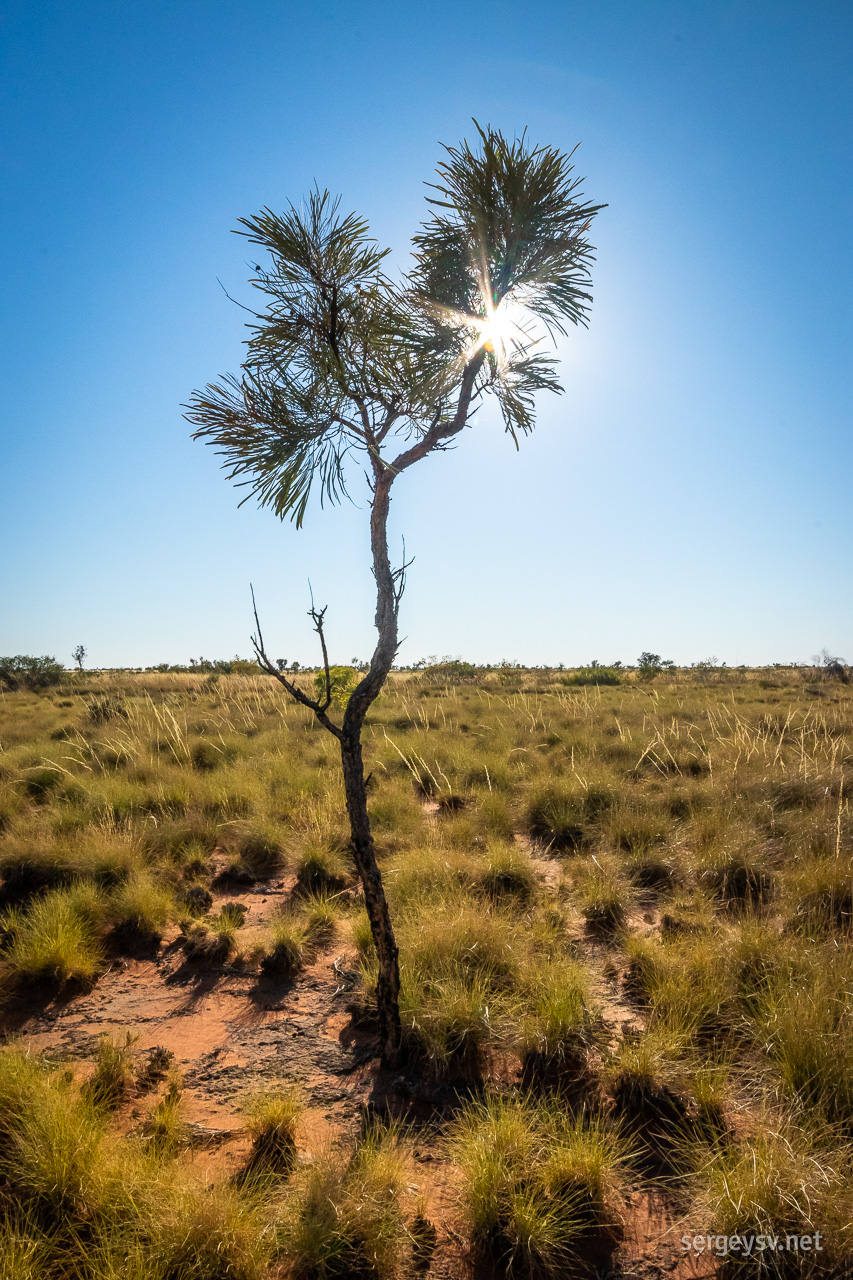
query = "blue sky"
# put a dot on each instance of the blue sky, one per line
(690, 493)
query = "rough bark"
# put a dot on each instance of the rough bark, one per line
(364, 854)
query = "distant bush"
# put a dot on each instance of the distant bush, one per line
(592, 675)
(450, 671)
(210, 666)
(24, 671)
(342, 681)
(650, 665)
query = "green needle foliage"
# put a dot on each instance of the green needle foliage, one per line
(341, 356)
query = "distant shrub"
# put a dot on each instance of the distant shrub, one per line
(342, 681)
(650, 665)
(450, 671)
(24, 671)
(591, 675)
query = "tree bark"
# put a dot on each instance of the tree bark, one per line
(363, 851)
(364, 856)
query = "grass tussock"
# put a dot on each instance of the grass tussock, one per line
(345, 1213)
(540, 1187)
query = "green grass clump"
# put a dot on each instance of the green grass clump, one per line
(214, 939)
(507, 874)
(539, 1185)
(261, 852)
(56, 943)
(272, 1120)
(345, 1215)
(821, 893)
(601, 894)
(141, 908)
(804, 1022)
(560, 1025)
(782, 1182)
(321, 866)
(114, 1078)
(286, 950)
(556, 819)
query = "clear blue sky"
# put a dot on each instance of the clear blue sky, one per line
(690, 493)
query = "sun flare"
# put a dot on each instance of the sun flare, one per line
(501, 330)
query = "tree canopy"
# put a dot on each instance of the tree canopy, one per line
(344, 358)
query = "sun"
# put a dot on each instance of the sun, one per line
(501, 330)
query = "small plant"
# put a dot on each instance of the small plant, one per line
(107, 707)
(206, 756)
(140, 909)
(55, 944)
(272, 1121)
(601, 893)
(538, 1184)
(780, 1183)
(342, 681)
(822, 894)
(739, 877)
(166, 1130)
(114, 1078)
(555, 819)
(345, 1217)
(261, 852)
(155, 1068)
(285, 956)
(320, 868)
(213, 940)
(508, 873)
(560, 1027)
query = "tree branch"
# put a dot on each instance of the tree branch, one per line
(438, 430)
(295, 692)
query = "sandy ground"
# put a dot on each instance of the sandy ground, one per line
(233, 1033)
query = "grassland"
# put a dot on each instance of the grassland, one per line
(624, 918)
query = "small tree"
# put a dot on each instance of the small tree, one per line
(650, 665)
(342, 360)
(79, 656)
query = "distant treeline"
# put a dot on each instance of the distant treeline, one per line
(27, 671)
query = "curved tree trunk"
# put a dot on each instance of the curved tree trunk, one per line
(364, 854)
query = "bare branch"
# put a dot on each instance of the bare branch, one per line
(293, 689)
(317, 616)
(398, 578)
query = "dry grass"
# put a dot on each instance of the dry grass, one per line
(691, 838)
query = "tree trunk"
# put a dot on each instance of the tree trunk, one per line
(364, 855)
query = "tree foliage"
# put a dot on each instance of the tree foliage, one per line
(31, 672)
(342, 358)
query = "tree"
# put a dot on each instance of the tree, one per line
(79, 656)
(344, 361)
(650, 665)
